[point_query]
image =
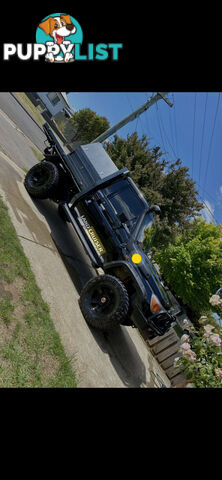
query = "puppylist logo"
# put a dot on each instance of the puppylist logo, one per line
(59, 39)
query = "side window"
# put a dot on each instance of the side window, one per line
(127, 202)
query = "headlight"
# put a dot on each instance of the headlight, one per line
(155, 305)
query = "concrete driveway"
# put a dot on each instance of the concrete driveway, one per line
(117, 359)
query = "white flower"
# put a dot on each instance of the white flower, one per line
(218, 372)
(184, 338)
(203, 319)
(175, 362)
(215, 300)
(185, 322)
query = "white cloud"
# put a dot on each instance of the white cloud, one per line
(208, 211)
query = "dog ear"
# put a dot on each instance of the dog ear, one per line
(66, 18)
(48, 25)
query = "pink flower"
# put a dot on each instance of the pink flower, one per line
(184, 347)
(187, 352)
(190, 355)
(215, 338)
(208, 330)
(184, 338)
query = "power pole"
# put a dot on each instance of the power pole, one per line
(132, 116)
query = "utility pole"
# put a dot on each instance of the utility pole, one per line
(132, 116)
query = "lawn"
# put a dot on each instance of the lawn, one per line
(31, 352)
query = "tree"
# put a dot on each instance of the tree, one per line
(192, 267)
(170, 187)
(87, 125)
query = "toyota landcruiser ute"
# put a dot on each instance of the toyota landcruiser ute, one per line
(111, 218)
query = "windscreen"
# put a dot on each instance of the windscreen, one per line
(125, 201)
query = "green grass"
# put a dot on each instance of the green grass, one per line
(31, 352)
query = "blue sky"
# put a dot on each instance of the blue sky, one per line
(190, 130)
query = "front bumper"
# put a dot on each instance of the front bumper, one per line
(159, 323)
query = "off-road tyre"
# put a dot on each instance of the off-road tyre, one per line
(42, 180)
(110, 314)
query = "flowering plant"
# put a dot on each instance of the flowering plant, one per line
(201, 352)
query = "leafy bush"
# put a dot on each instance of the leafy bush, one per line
(201, 352)
(192, 266)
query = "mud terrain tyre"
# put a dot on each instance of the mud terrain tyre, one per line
(42, 180)
(104, 302)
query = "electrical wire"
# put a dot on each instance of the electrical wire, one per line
(130, 104)
(205, 191)
(160, 130)
(194, 122)
(175, 123)
(171, 127)
(211, 140)
(212, 215)
(166, 136)
(203, 128)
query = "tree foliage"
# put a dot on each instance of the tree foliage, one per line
(192, 266)
(168, 186)
(87, 125)
(164, 184)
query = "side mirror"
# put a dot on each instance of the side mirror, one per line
(155, 208)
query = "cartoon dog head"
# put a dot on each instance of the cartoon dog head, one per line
(58, 27)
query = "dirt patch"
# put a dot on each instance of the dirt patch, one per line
(6, 332)
(12, 290)
(49, 366)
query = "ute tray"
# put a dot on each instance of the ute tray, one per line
(89, 165)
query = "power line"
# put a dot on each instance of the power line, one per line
(148, 127)
(175, 123)
(138, 118)
(171, 128)
(166, 136)
(160, 129)
(203, 128)
(205, 191)
(215, 118)
(194, 118)
(212, 215)
(129, 102)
